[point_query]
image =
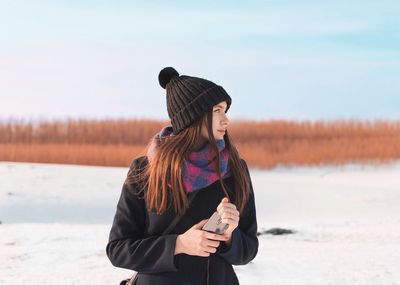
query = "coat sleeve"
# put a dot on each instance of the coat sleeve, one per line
(244, 242)
(127, 247)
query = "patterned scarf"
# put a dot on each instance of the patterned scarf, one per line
(198, 171)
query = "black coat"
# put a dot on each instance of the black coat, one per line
(136, 241)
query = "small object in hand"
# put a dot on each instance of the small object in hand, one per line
(214, 225)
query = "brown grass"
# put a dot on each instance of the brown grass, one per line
(263, 144)
(85, 154)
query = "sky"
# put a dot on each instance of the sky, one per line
(297, 60)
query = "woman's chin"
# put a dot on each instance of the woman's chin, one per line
(219, 135)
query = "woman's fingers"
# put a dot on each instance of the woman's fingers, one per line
(210, 249)
(229, 214)
(212, 243)
(230, 217)
(206, 250)
(232, 223)
(216, 237)
(226, 206)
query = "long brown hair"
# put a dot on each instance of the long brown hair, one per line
(167, 163)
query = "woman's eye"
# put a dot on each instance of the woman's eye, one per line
(218, 110)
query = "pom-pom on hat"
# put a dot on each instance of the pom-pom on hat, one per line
(189, 98)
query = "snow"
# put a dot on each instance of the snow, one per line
(56, 220)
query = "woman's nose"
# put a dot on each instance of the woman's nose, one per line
(225, 121)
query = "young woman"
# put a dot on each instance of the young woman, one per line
(191, 170)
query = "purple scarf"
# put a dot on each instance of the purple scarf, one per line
(198, 171)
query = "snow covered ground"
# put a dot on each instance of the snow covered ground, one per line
(56, 220)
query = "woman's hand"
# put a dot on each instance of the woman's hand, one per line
(229, 215)
(195, 241)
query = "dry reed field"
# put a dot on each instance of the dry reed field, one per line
(263, 144)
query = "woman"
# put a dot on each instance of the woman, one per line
(190, 171)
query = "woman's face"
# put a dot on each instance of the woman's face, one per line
(220, 122)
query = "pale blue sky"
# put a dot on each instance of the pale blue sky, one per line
(277, 59)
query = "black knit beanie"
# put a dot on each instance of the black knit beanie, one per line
(189, 98)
